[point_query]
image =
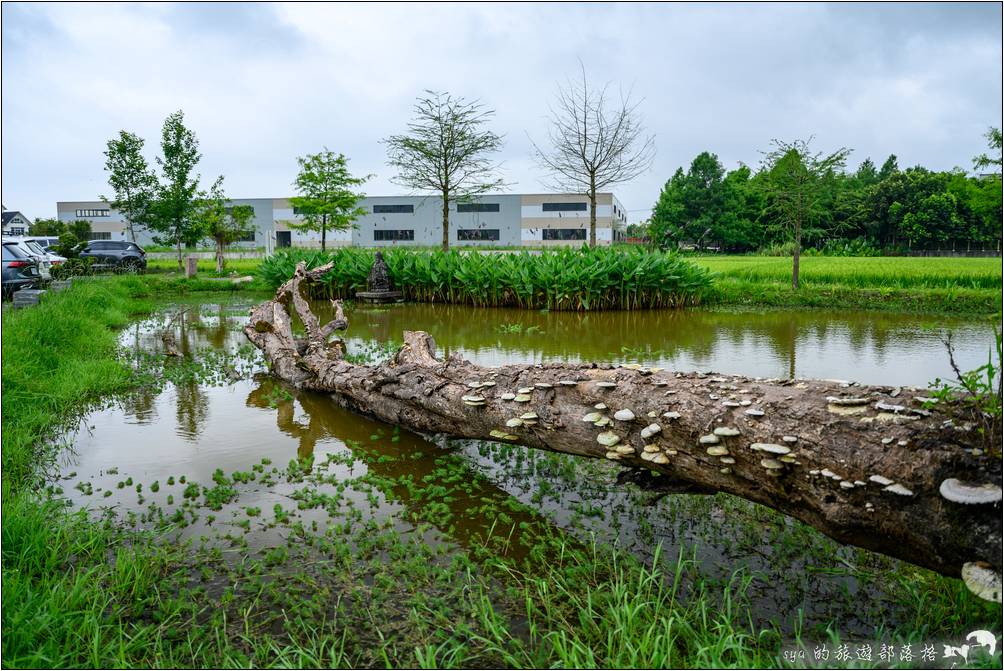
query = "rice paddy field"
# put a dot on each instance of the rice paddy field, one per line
(872, 272)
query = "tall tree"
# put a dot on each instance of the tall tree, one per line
(326, 200)
(984, 161)
(669, 216)
(594, 143)
(132, 182)
(175, 202)
(448, 150)
(889, 168)
(797, 182)
(225, 224)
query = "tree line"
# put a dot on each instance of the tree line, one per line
(803, 198)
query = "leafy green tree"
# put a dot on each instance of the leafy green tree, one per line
(80, 228)
(53, 227)
(669, 216)
(225, 224)
(984, 161)
(639, 230)
(131, 179)
(327, 199)
(867, 173)
(172, 210)
(871, 208)
(889, 168)
(797, 181)
(740, 226)
(705, 204)
(447, 150)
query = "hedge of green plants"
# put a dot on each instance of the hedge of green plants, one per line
(564, 279)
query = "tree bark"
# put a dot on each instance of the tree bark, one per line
(446, 220)
(592, 210)
(847, 442)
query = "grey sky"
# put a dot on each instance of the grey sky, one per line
(261, 84)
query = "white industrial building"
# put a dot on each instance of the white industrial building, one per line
(536, 220)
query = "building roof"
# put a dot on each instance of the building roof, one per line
(10, 214)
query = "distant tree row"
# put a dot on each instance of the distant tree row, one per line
(810, 199)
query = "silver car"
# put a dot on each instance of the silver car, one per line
(32, 249)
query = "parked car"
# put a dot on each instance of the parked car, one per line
(46, 242)
(39, 246)
(115, 253)
(20, 269)
(33, 250)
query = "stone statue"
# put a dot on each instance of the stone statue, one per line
(378, 279)
(379, 288)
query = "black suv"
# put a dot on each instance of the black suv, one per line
(115, 253)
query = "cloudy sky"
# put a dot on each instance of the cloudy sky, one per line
(261, 84)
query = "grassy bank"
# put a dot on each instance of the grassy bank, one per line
(354, 590)
(207, 267)
(567, 279)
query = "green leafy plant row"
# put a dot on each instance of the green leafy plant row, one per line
(566, 279)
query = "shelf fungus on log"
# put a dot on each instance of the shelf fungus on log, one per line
(927, 496)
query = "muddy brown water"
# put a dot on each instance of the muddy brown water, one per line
(195, 427)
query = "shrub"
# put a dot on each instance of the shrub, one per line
(565, 279)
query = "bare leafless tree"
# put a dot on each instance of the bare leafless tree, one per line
(446, 150)
(594, 143)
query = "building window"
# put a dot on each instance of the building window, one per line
(564, 233)
(99, 235)
(477, 234)
(17, 230)
(94, 213)
(386, 236)
(477, 207)
(230, 210)
(247, 237)
(394, 209)
(565, 207)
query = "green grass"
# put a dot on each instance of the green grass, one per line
(565, 279)
(874, 272)
(207, 266)
(905, 284)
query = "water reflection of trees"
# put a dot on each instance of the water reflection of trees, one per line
(142, 405)
(194, 327)
(191, 409)
(321, 420)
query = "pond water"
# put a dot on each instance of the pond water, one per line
(867, 347)
(224, 420)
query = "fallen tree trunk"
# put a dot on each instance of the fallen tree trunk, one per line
(867, 465)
